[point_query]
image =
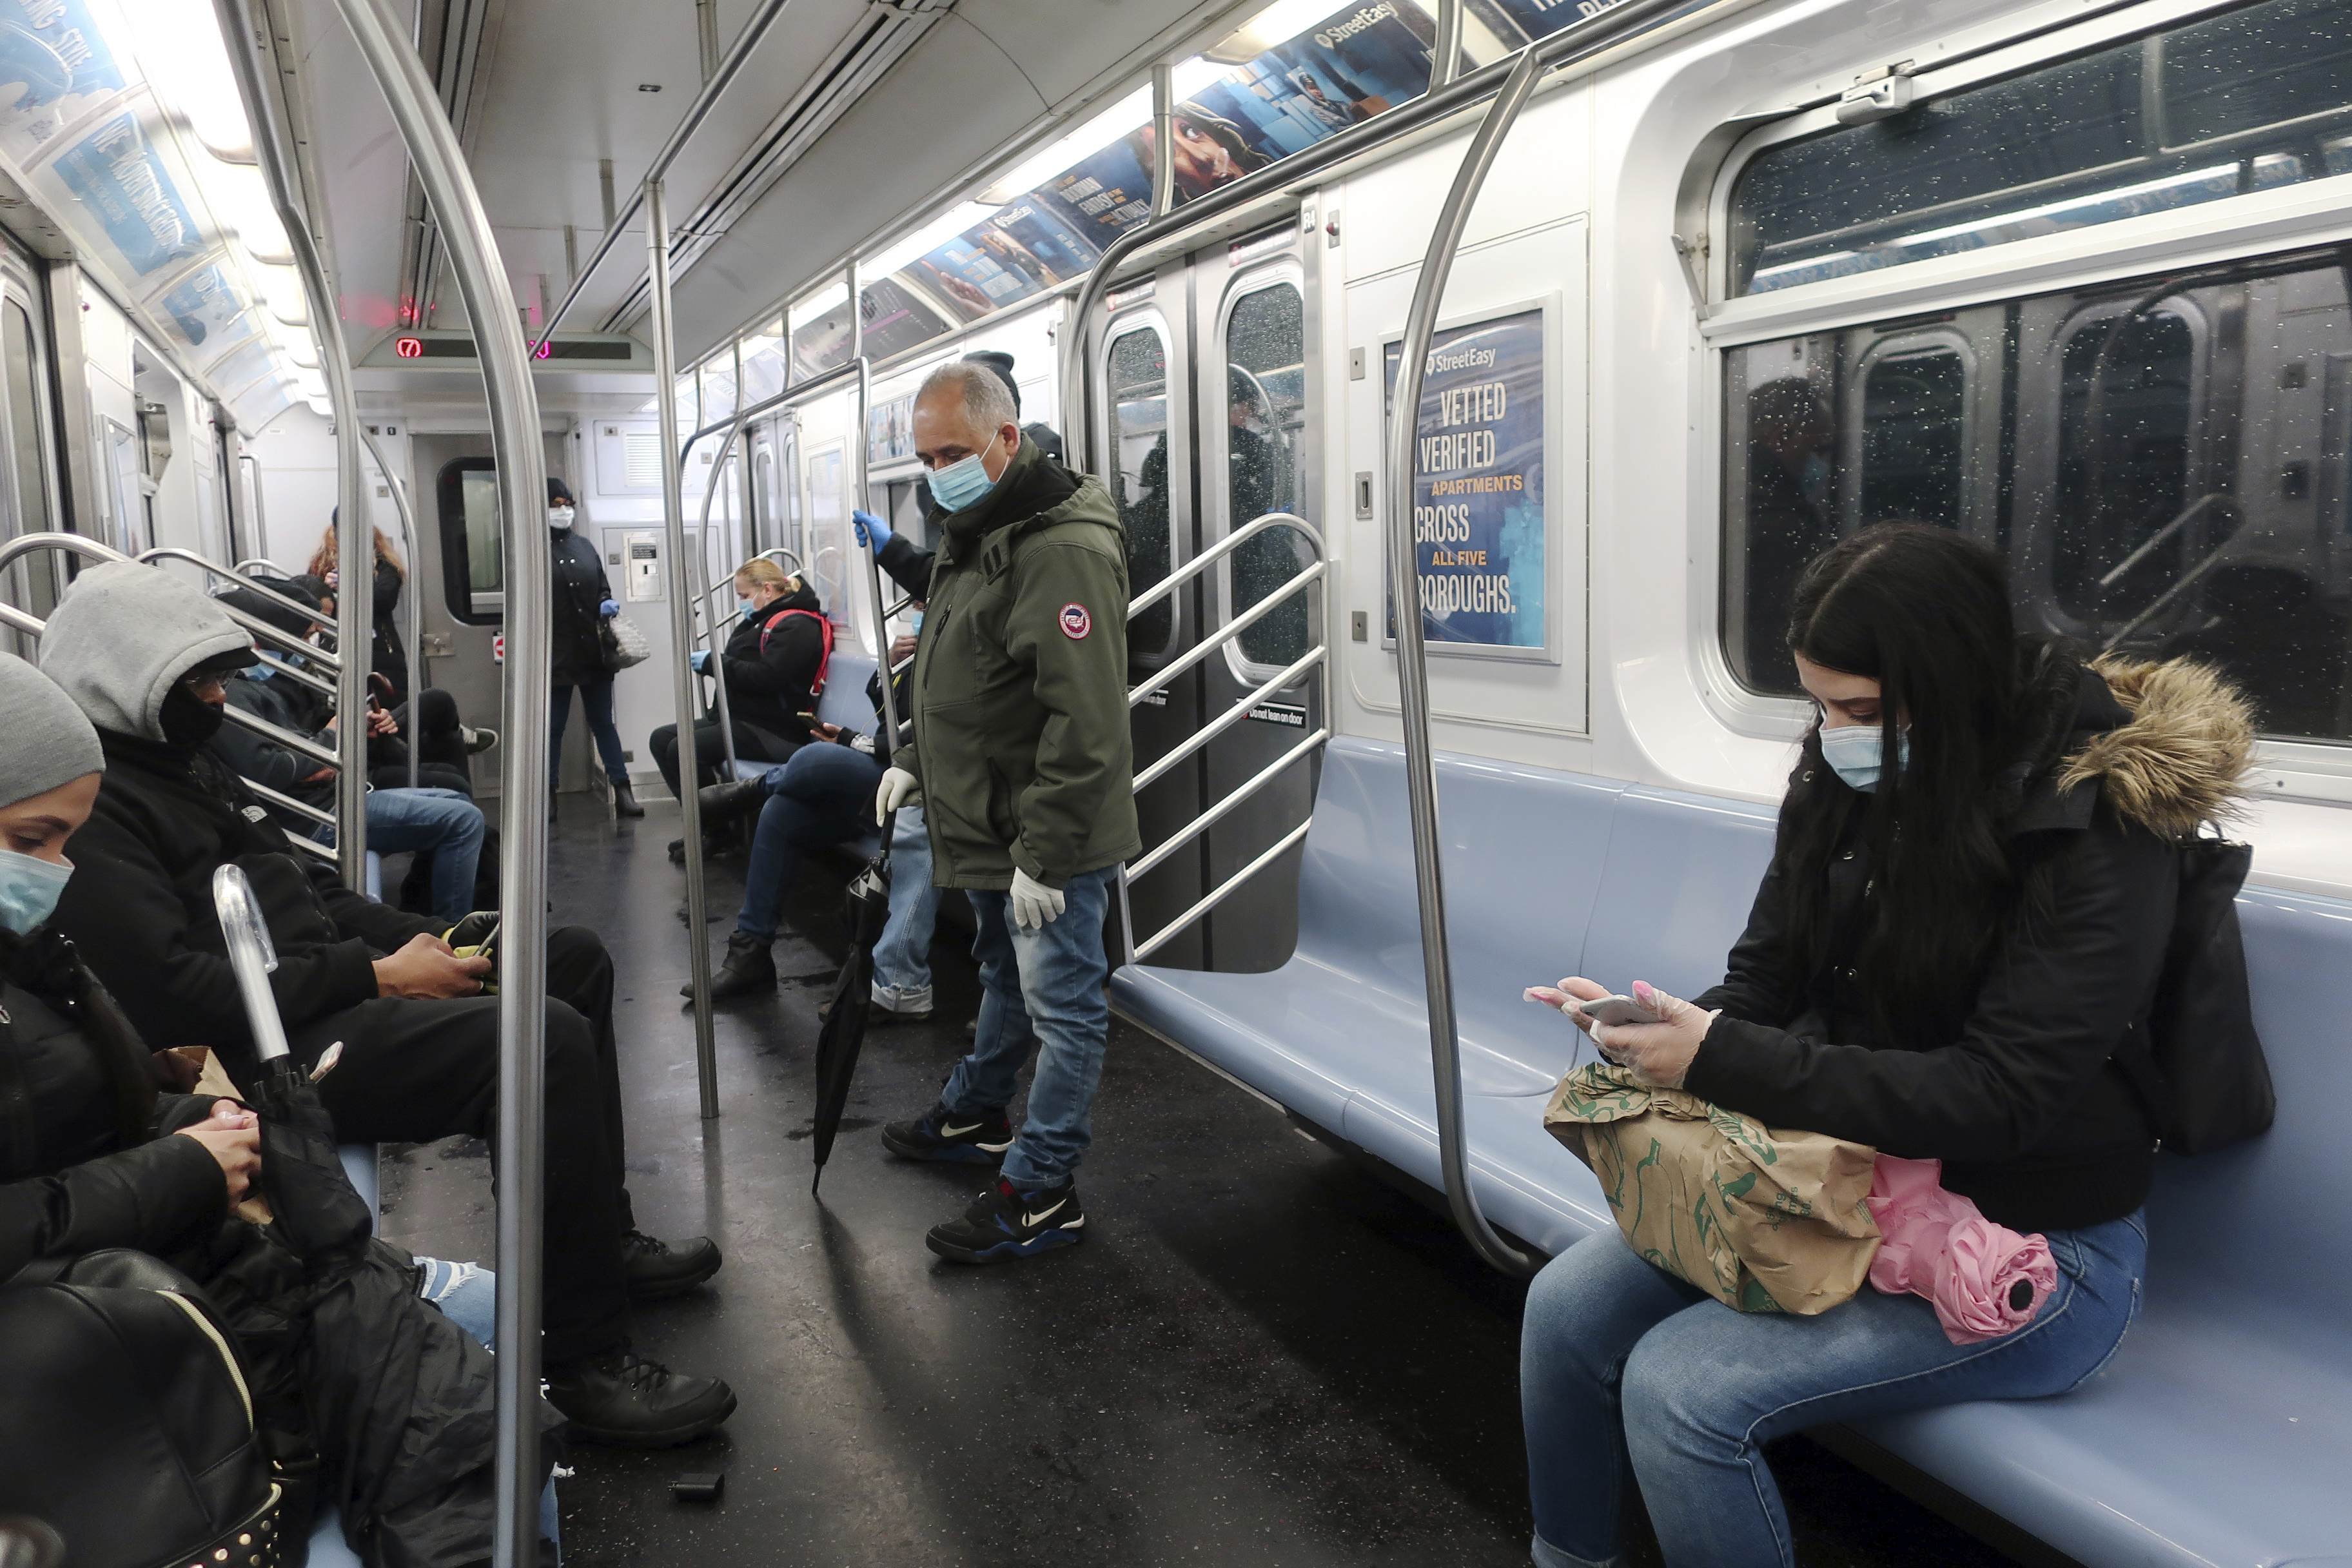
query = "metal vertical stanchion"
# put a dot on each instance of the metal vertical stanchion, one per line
(473, 254)
(1163, 132)
(1445, 58)
(681, 632)
(413, 618)
(1412, 665)
(355, 554)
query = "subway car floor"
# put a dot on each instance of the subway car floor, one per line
(1262, 1355)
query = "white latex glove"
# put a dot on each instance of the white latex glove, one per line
(1659, 1054)
(898, 787)
(1035, 905)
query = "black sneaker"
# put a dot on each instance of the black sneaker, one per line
(656, 1269)
(1004, 1223)
(624, 1401)
(979, 1139)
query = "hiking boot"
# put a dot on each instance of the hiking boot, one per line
(625, 801)
(624, 1401)
(1004, 1223)
(749, 969)
(723, 803)
(657, 1269)
(979, 1139)
(712, 844)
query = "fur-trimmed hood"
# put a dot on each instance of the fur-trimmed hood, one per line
(2181, 756)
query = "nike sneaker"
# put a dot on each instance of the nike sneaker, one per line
(1004, 1223)
(979, 1139)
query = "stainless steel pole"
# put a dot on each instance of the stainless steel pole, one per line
(1412, 663)
(681, 633)
(522, 867)
(414, 616)
(1446, 57)
(703, 598)
(1163, 135)
(355, 556)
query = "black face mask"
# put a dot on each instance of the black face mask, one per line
(188, 719)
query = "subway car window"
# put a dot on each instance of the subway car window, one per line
(1137, 385)
(2261, 97)
(1266, 461)
(28, 450)
(2169, 478)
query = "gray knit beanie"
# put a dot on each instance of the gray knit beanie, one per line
(45, 741)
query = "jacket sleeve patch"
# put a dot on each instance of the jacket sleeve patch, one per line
(1075, 622)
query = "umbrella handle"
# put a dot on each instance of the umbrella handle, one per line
(252, 957)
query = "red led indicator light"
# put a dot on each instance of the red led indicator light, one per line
(409, 348)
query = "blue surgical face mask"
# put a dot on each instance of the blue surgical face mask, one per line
(962, 484)
(917, 618)
(745, 609)
(29, 890)
(1855, 754)
(259, 672)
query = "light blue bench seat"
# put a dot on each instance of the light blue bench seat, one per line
(2216, 1434)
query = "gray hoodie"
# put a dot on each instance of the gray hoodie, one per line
(123, 634)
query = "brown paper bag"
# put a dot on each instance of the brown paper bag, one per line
(1761, 1219)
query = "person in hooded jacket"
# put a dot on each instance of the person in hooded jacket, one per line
(774, 665)
(144, 655)
(582, 601)
(1965, 917)
(1023, 762)
(96, 1154)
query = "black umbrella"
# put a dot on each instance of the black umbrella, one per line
(843, 1034)
(311, 1195)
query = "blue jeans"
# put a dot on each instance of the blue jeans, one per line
(1043, 991)
(440, 824)
(823, 796)
(596, 702)
(1624, 1367)
(468, 1295)
(902, 959)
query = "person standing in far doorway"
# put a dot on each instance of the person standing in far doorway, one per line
(1021, 758)
(583, 603)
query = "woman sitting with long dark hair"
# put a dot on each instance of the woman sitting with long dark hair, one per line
(1966, 911)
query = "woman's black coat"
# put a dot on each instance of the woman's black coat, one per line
(2022, 1104)
(578, 657)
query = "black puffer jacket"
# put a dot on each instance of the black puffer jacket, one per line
(773, 659)
(581, 585)
(139, 903)
(2030, 1116)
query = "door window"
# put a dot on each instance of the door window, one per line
(1137, 378)
(1265, 416)
(28, 452)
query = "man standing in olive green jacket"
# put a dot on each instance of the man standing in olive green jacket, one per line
(1022, 761)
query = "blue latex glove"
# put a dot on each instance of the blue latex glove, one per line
(609, 607)
(700, 659)
(872, 532)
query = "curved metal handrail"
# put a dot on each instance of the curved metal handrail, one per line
(413, 614)
(505, 362)
(1413, 664)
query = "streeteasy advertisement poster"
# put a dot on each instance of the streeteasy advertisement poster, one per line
(1478, 465)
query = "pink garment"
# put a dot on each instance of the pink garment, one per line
(1984, 1280)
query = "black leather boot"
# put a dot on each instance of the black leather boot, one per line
(723, 803)
(624, 1401)
(625, 801)
(657, 1270)
(750, 969)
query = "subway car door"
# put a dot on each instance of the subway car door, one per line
(1143, 367)
(1259, 446)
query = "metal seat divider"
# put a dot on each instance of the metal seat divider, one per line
(1317, 659)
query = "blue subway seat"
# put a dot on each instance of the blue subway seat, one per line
(843, 703)
(2216, 1433)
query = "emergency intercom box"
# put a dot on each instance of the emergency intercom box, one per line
(643, 568)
